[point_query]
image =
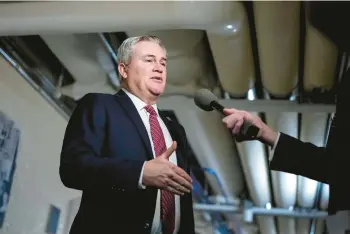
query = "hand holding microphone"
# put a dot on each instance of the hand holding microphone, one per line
(244, 125)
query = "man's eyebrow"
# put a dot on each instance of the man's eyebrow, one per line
(153, 56)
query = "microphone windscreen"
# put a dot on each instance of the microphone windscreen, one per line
(203, 98)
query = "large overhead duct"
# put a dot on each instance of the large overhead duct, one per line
(284, 184)
(231, 48)
(320, 60)
(278, 45)
(27, 18)
(214, 149)
(86, 58)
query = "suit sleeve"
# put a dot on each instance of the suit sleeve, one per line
(83, 164)
(294, 156)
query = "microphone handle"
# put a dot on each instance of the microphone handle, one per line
(248, 131)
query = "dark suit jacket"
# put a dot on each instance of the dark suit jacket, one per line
(104, 148)
(328, 164)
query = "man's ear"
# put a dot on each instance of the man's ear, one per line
(122, 68)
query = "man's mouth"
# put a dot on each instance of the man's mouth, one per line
(157, 78)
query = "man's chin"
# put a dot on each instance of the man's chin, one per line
(156, 93)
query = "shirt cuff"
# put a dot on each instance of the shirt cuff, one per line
(272, 152)
(141, 186)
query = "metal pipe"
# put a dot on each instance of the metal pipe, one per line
(215, 208)
(289, 213)
(112, 77)
(108, 47)
(302, 213)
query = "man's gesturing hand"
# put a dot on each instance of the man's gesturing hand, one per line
(163, 174)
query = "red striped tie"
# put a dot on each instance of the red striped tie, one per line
(167, 198)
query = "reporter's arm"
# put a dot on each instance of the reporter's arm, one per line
(300, 158)
(83, 165)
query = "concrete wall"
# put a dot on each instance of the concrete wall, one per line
(36, 183)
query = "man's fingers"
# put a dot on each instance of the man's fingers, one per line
(178, 187)
(172, 190)
(183, 178)
(170, 150)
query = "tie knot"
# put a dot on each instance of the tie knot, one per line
(150, 110)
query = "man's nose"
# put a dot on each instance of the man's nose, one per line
(158, 68)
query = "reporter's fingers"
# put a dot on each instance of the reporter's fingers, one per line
(237, 127)
(229, 111)
(231, 120)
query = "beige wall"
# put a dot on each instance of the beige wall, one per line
(36, 182)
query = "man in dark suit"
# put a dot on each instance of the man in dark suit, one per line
(328, 164)
(126, 156)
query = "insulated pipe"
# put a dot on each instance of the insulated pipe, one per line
(284, 184)
(320, 60)
(277, 31)
(218, 153)
(313, 129)
(254, 163)
(232, 52)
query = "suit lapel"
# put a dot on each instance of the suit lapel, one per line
(176, 137)
(131, 111)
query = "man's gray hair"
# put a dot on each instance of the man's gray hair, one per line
(125, 50)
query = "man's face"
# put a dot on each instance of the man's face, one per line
(146, 71)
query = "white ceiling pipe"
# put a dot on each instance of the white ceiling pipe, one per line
(284, 185)
(214, 148)
(255, 168)
(278, 44)
(320, 60)
(233, 54)
(313, 129)
(28, 18)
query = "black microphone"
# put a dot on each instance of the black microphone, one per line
(207, 101)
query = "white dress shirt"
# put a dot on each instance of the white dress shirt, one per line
(139, 104)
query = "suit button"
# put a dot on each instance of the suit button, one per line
(146, 225)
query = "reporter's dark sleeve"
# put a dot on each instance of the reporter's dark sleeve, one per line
(300, 158)
(82, 165)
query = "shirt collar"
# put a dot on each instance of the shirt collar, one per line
(139, 104)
